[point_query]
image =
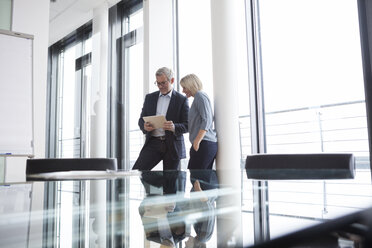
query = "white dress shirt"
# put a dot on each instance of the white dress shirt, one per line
(161, 109)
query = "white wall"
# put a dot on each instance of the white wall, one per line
(32, 17)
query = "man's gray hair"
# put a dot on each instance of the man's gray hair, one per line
(165, 71)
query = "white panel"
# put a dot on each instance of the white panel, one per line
(16, 117)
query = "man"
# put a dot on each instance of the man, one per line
(164, 143)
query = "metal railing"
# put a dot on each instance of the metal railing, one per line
(338, 127)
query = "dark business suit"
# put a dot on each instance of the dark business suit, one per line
(172, 149)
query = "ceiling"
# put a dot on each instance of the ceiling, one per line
(62, 7)
(65, 16)
(58, 7)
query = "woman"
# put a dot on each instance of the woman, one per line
(201, 132)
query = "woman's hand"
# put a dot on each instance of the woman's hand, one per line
(196, 145)
(198, 139)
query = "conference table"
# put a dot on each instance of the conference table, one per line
(198, 208)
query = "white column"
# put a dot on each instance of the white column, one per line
(224, 55)
(98, 119)
(98, 108)
(225, 83)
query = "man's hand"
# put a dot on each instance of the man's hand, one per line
(148, 127)
(169, 125)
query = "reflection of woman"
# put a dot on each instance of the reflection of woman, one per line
(201, 132)
(203, 226)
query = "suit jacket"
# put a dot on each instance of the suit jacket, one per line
(178, 112)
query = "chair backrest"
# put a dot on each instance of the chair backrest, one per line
(300, 166)
(38, 166)
(355, 227)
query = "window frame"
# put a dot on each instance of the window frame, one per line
(79, 35)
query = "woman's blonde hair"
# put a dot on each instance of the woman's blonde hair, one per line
(192, 83)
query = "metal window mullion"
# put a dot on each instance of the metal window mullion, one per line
(175, 26)
(83, 114)
(52, 107)
(260, 192)
(113, 102)
(126, 153)
(85, 61)
(365, 27)
(59, 105)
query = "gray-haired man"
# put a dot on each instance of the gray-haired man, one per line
(167, 143)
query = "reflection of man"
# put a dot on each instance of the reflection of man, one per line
(160, 214)
(165, 143)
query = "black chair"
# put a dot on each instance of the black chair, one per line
(300, 166)
(355, 227)
(36, 167)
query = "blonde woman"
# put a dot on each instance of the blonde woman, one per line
(201, 129)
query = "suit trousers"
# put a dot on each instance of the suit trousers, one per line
(204, 157)
(152, 153)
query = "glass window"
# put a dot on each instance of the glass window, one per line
(312, 77)
(313, 100)
(135, 20)
(195, 50)
(195, 39)
(135, 97)
(69, 96)
(126, 82)
(195, 56)
(88, 45)
(69, 107)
